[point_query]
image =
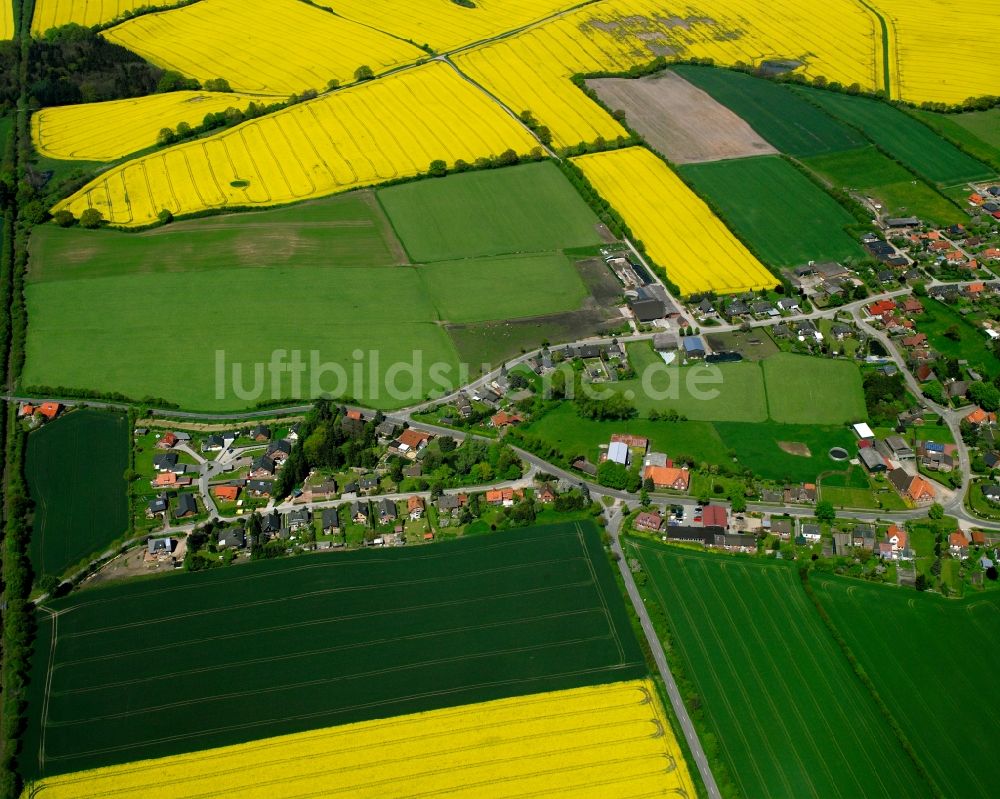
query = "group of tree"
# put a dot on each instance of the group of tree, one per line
(885, 396)
(73, 64)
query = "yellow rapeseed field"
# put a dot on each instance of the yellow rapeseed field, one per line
(443, 24)
(53, 13)
(836, 39)
(6, 21)
(389, 128)
(108, 131)
(603, 742)
(942, 51)
(261, 46)
(680, 232)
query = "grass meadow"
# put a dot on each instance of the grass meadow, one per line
(787, 121)
(973, 346)
(870, 172)
(794, 395)
(527, 208)
(328, 276)
(164, 666)
(781, 213)
(758, 447)
(902, 136)
(977, 132)
(931, 660)
(75, 469)
(789, 716)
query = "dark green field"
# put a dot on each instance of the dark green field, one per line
(197, 660)
(784, 119)
(870, 172)
(527, 208)
(76, 474)
(780, 212)
(899, 134)
(932, 661)
(978, 132)
(789, 716)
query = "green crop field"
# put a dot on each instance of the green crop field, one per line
(978, 132)
(902, 136)
(931, 661)
(792, 390)
(870, 172)
(504, 287)
(788, 122)
(76, 475)
(789, 716)
(327, 277)
(197, 660)
(528, 208)
(159, 334)
(781, 213)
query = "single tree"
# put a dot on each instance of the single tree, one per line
(91, 218)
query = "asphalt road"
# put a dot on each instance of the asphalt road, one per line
(615, 518)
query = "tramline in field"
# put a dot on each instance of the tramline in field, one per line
(679, 231)
(587, 743)
(338, 142)
(323, 640)
(112, 130)
(293, 46)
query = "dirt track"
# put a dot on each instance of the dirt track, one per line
(681, 121)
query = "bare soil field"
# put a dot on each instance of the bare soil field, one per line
(679, 120)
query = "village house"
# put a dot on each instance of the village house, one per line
(811, 533)
(546, 494)
(801, 494)
(452, 503)
(715, 516)
(864, 537)
(958, 544)
(410, 443)
(186, 506)
(387, 511)
(299, 519)
(503, 420)
(171, 480)
(895, 447)
(782, 528)
(504, 496)
(167, 441)
(278, 451)
(979, 417)
(49, 410)
(157, 506)
(914, 488)
(159, 549)
(261, 433)
(649, 522)
(226, 493)
(360, 512)
(263, 467)
(665, 477)
(232, 538)
(260, 488)
(415, 507)
(330, 521)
